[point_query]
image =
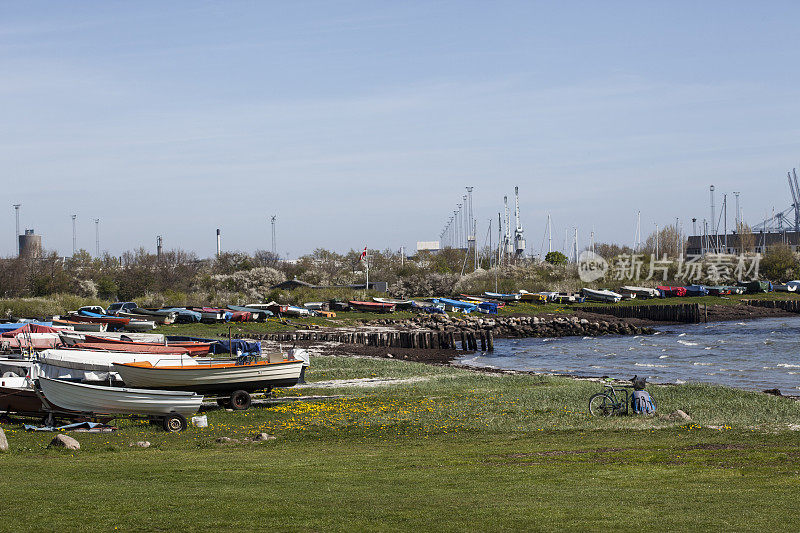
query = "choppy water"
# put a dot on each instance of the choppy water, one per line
(756, 354)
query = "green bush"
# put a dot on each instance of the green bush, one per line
(556, 258)
(41, 307)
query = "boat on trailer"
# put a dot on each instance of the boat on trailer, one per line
(171, 407)
(233, 381)
(212, 376)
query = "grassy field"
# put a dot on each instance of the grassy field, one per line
(439, 449)
(274, 325)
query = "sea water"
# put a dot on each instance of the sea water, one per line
(754, 354)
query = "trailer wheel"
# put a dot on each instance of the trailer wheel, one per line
(240, 400)
(174, 423)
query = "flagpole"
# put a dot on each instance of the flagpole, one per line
(366, 258)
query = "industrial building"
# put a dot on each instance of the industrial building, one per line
(756, 242)
(30, 244)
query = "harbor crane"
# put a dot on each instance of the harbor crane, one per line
(789, 217)
(519, 237)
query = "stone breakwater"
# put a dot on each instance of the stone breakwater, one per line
(446, 333)
(522, 326)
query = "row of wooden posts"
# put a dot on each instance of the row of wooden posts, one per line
(792, 306)
(466, 340)
(689, 313)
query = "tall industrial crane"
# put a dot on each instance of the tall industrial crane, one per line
(508, 247)
(519, 237)
(779, 221)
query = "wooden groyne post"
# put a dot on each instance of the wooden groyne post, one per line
(424, 340)
(688, 313)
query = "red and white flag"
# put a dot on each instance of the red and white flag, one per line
(363, 254)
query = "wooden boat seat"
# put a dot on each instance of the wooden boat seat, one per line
(275, 358)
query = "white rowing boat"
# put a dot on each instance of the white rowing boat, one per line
(640, 292)
(91, 365)
(601, 295)
(97, 399)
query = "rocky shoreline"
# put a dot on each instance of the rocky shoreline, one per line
(521, 326)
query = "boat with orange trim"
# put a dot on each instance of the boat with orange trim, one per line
(212, 376)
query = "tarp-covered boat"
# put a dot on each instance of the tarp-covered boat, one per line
(257, 314)
(671, 292)
(456, 305)
(718, 290)
(179, 315)
(696, 290)
(753, 287)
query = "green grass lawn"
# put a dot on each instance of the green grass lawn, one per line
(449, 449)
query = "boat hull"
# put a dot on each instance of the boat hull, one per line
(212, 378)
(371, 307)
(19, 400)
(79, 397)
(601, 296)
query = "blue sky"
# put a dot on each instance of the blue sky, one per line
(361, 122)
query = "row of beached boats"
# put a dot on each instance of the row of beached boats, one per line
(150, 376)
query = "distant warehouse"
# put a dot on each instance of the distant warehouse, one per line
(427, 246)
(734, 243)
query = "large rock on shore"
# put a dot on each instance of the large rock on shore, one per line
(64, 441)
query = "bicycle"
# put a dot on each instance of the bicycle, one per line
(607, 403)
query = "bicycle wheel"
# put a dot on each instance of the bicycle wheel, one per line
(601, 405)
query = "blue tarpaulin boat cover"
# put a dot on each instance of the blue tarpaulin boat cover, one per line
(457, 304)
(11, 326)
(233, 346)
(433, 310)
(489, 308)
(184, 315)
